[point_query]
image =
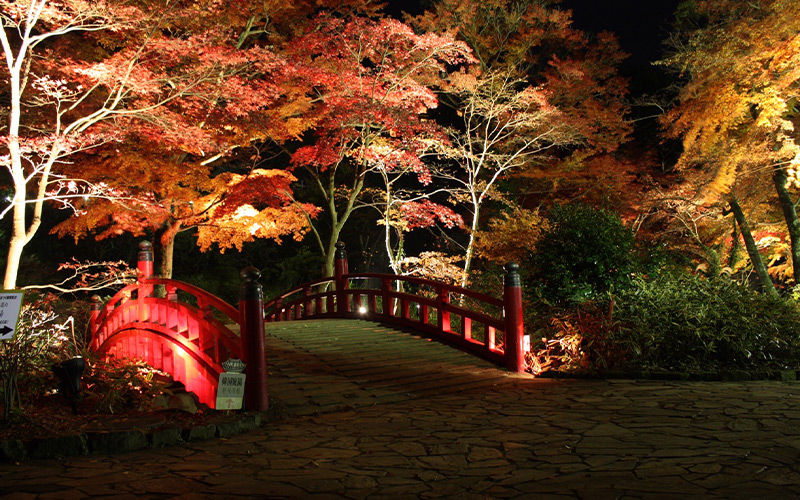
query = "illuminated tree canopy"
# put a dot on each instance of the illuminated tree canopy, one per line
(737, 113)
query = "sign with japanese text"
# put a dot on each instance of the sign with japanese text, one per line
(10, 305)
(230, 391)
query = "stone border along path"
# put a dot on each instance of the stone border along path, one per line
(393, 430)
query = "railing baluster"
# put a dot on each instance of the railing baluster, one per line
(307, 304)
(424, 314)
(386, 289)
(442, 300)
(341, 268)
(373, 306)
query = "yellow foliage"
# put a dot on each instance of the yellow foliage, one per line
(733, 115)
(510, 238)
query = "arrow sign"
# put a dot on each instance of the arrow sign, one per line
(10, 305)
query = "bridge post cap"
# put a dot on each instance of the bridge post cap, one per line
(97, 301)
(340, 252)
(250, 274)
(512, 277)
(145, 251)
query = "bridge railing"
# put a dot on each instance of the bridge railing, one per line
(199, 323)
(485, 326)
(188, 321)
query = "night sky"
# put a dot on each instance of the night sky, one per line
(640, 25)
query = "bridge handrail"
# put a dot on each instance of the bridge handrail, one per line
(170, 325)
(438, 285)
(299, 288)
(332, 297)
(445, 287)
(206, 298)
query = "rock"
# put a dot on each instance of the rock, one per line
(117, 442)
(200, 433)
(167, 436)
(183, 401)
(57, 447)
(12, 450)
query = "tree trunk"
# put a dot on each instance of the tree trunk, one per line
(19, 236)
(337, 220)
(779, 177)
(15, 247)
(734, 254)
(471, 242)
(330, 253)
(752, 249)
(167, 250)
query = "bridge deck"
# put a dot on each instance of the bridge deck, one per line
(318, 366)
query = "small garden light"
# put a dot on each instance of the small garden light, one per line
(69, 375)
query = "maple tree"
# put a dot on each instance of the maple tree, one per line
(506, 125)
(534, 40)
(545, 99)
(171, 194)
(404, 212)
(372, 83)
(175, 76)
(737, 112)
(403, 208)
(512, 237)
(87, 71)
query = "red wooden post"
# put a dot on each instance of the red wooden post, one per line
(386, 299)
(251, 324)
(341, 268)
(514, 329)
(144, 268)
(97, 309)
(443, 299)
(308, 310)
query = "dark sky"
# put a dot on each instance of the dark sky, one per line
(640, 25)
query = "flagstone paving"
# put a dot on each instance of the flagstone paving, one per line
(429, 422)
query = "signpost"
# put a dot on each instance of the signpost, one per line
(230, 389)
(10, 305)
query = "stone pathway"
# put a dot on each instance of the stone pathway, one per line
(415, 436)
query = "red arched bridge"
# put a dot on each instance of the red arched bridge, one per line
(189, 333)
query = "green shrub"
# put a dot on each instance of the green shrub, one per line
(584, 252)
(689, 323)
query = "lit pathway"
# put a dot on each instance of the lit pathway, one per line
(352, 429)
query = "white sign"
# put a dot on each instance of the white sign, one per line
(10, 304)
(230, 391)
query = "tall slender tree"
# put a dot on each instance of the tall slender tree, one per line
(738, 109)
(543, 99)
(507, 125)
(88, 73)
(373, 91)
